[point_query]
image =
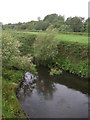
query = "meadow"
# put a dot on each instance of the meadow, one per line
(73, 38)
(70, 37)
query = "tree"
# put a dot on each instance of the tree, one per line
(76, 23)
(87, 25)
(31, 25)
(51, 18)
(58, 22)
(42, 25)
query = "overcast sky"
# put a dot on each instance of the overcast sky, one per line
(13, 11)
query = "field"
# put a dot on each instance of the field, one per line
(73, 38)
(82, 39)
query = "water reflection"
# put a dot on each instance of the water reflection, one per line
(45, 87)
(69, 80)
(54, 97)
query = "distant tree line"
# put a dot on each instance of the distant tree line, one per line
(53, 21)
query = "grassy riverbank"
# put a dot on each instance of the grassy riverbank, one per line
(72, 49)
(13, 67)
(10, 105)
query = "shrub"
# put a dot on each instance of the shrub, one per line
(9, 49)
(11, 55)
(45, 48)
(55, 71)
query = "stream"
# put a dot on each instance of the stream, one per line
(46, 96)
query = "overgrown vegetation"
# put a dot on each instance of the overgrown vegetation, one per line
(27, 40)
(45, 48)
(12, 58)
(10, 105)
(62, 54)
(14, 65)
(68, 52)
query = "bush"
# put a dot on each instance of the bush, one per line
(9, 49)
(11, 55)
(45, 48)
(55, 71)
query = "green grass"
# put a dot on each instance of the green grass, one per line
(10, 105)
(72, 38)
(82, 39)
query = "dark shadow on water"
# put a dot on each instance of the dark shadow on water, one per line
(63, 96)
(67, 79)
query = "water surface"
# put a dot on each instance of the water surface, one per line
(62, 96)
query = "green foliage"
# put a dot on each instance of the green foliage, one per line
(10, 105)
(65, 28)
(14, 64)
(12, 58)
(87, 25)
(60, 52)
(9, 49)
(51, 18)
(27, 41)
(72, 64)
(42, 25)
(12, 75)
(55, 71)
(45, 48)
(76, 23)
(73, 56)
(72, 24)
(23, 63)
(73, 50)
